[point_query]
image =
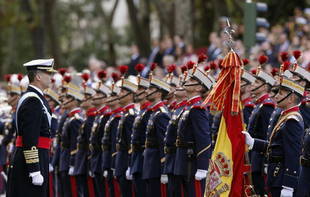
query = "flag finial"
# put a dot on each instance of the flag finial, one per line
(229, 31)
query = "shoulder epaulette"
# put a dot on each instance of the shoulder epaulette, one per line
(131, 112)
(296, 117)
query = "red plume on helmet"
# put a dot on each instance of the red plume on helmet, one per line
(123, 69)
(115, 77)
(139, 68)
(19, 77)
(171, 68)
(202, 57)
(262, 59)
(285, 66)
(85, 77)
(245, 61)
(67, 78)
(296, 54)
(213, 65)
(62, 71)
(183, 68)
(284, 56)
(206, 68)
(220, 61)
(7, 77)
(254, 71)
(275, 71)
(153, 66)
(52, 80)
(102, 74)
(190, 65)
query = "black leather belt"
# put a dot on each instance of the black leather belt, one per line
(170, 149)
(105, 147)
(82, 146)
(275, 159)
(304, 162)
(182, 144)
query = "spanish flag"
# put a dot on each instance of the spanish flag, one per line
(225, 174)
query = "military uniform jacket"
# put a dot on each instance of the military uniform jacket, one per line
(193, 139)
(258, 126)
(123, 139)
(80, 165)
(248, 106)
(109, 140)
(283, 149)
(69, 135)
(32, 126)
(154, 146)
(7, 130)
(138, 138)
(171, 136)
(95, 157)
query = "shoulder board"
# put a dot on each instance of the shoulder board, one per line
(295, 117)
(163, 110)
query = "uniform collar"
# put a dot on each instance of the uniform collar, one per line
(193, 100)
(180, 104)
(247, 100)
(262, 98)
(74, 111)
(117, 110)
(157, 105)
(292, 109)
(37, 89)
(145, 105)
(91, 112)
(172, 105)
(128, 107)
(103, 109)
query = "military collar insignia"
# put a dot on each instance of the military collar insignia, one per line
(292, 109)
(262, 98)
(118, 110)
(145, 105)
(102, 110)
(74, 111)
(91, 112)
(172, 105)
(193, 100)
(128, 107)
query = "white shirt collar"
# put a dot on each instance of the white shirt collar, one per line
(37, 89)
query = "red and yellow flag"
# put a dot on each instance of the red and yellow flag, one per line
(225, 174)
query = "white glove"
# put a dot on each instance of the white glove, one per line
(37, 178)
(287, 192)
(92, 175)
(50, 168)
(164, 179)
(71, 170)
(265, 168)
(128, 175)
(248, 139)
(201, 174)
(105, 174)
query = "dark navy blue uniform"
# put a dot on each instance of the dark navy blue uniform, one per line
(81, 162)
(33, 128)
(304, 177)
(305, 109)
(193, 146)
(248, 106)
(170, 146)
(283, 151)
(257, 127)
(154, 151)
(95, 158)
(123, 139)
(68, 148)
(137, 146)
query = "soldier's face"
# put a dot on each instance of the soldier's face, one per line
(140, 95)
(87, 102)
(180, 93)
(99, 99)
(45, 79)
(257, 88)
(279, 98)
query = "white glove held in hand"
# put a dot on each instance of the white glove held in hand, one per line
(128, 175)
(50, 168)
(248, 139)
(105, 174)
(164, 179)
(287, 192)
(37, 178)
(71, 170)
(201, 174)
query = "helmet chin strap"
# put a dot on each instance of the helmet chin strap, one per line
(151, 93)
(124, 95)
(66, 103)
(280, 101)
(258, 87)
